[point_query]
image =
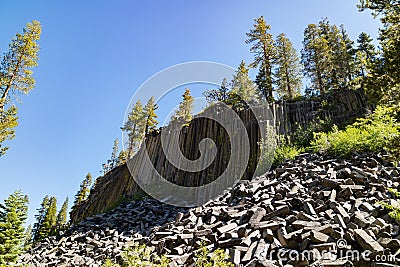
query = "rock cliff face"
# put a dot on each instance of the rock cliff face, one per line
(118, 185)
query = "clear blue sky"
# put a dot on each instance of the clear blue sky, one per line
(95, 54)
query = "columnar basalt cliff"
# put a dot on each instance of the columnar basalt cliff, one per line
(118, 185)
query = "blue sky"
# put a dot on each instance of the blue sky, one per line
(95, 54)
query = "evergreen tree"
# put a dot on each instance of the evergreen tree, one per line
(386, 73)
(347, 57)
(328, 56)
(221, 94)
(288, 70)
(316, 58)
(151, 116)
(13, 214)
(62, 215)
(242, 86)
(135, 128)
(122, 157)
(365, 58)
(41, 213)
(27, 243)
(365, 45)
(48, 225)
(264, 50)
(16, 77)
(184, 112)
(113, 162)
(84, 189)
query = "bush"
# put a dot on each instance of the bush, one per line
(285, 151)
(303, 136)
(142, 256)
(374, 133)
(215, 259)
(139, 256)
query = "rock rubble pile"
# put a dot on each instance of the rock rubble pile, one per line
(313, 211)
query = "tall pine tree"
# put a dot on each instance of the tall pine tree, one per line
(365, 58)
(288, 69)
(316, 58)
(386, 73)
(16, 77)
(184, 112)
(48, 225)
(62, 215)
(151, 116)
(13, 214)
(27, 243)
(243, 88)
(221, 94)
(264, 55)
(84, 189)
(328, 56)
(41, 213)
(135, 128)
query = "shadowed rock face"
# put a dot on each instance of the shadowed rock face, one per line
(309, 205)
(118, 185)
(109, 191)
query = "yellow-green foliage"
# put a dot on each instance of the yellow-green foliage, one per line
(394, 192)
(139, 256)
(142, 256)
(215, 259)
(285, 152)
(394, 211)
(374, 133)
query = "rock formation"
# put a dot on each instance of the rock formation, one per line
(311, 211)
(118, 185)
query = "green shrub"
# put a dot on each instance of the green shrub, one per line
(394, 211)
(303, 136)
(142, 256)
(374, 133)
(216, 259)
(394, 192)
(285, 151)
(139, 256)
(267, 146)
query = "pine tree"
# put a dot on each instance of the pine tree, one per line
(386, 72)
(243, 88)
(151, 116)
(221, 94)
(27, 243)
(365, 45)
(264, 50)
(184, 112)
(16, 77)
(348, 55)
(365, 58)
(48, 225)
(84, 189)
(13, 214)
(316, 58)
(342, 68)
(41, 213)
(135, 128)
(122, 157)
(328, 56)
(113, 162)
(62, 215)
(288, 70)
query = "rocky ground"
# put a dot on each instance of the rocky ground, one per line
(313, 211)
